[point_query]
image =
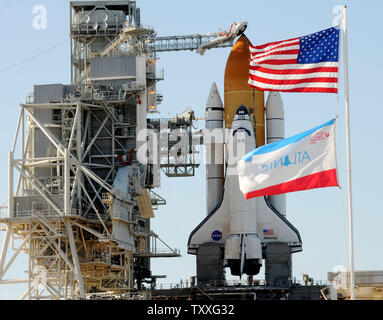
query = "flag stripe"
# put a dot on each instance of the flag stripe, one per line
(288, 54)
(279, 62)
(304, 89)
(294, 81)
(306, 66)
(288, 47)
(293, 71)
(273, 45)
(254, 74)
(321, 179)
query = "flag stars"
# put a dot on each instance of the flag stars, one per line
(319, 47)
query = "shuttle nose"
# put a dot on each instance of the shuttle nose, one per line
(242, 111)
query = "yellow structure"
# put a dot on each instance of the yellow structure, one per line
(238, 92)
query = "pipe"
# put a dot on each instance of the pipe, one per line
(130, 158)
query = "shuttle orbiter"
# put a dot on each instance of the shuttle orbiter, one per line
(242, 230)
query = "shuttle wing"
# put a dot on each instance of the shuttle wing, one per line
(214, 228)
(272, 226)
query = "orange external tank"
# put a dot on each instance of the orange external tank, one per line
(238, 92)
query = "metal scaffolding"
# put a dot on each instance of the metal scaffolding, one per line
(81, 204)
(178, 145)
(83, 231)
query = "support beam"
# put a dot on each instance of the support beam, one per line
(100, 188)
(25, 145)
(52, 139)
(110, 133)
(62, 253)
(97, 193)
(94, 138)
(90, 230)
(76, 262)
(4, 249)
(10, 184)
(26, 294)
(67, 165)
(16, 281)
(36, 181)
(97, 179)
(79, 149)
(4, 271)
(94, 208)
(23, 148)
(74, 127)
(17, 131)
(53, 205)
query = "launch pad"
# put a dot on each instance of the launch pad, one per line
(85, 188)
(216, 290)
(242, 293)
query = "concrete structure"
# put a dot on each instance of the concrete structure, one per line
(368, 285)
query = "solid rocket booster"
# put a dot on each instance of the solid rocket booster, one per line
(275, 123)
(238, 92)
(214, 149)
(275, 118)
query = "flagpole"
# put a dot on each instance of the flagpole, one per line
(348, 147)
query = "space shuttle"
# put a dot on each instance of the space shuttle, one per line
(239, 233)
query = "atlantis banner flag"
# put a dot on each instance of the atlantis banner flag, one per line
(303, 64)
(302, 162)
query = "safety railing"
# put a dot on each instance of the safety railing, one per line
(51, 212)
(217, 284)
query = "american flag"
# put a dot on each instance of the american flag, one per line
(303, 64)
(268, 232)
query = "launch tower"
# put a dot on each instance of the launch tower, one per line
(82, 202)
(81, 188)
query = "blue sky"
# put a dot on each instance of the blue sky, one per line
(320, 215)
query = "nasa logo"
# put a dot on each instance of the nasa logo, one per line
(216, 235)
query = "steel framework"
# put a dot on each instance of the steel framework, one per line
(83, 236)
